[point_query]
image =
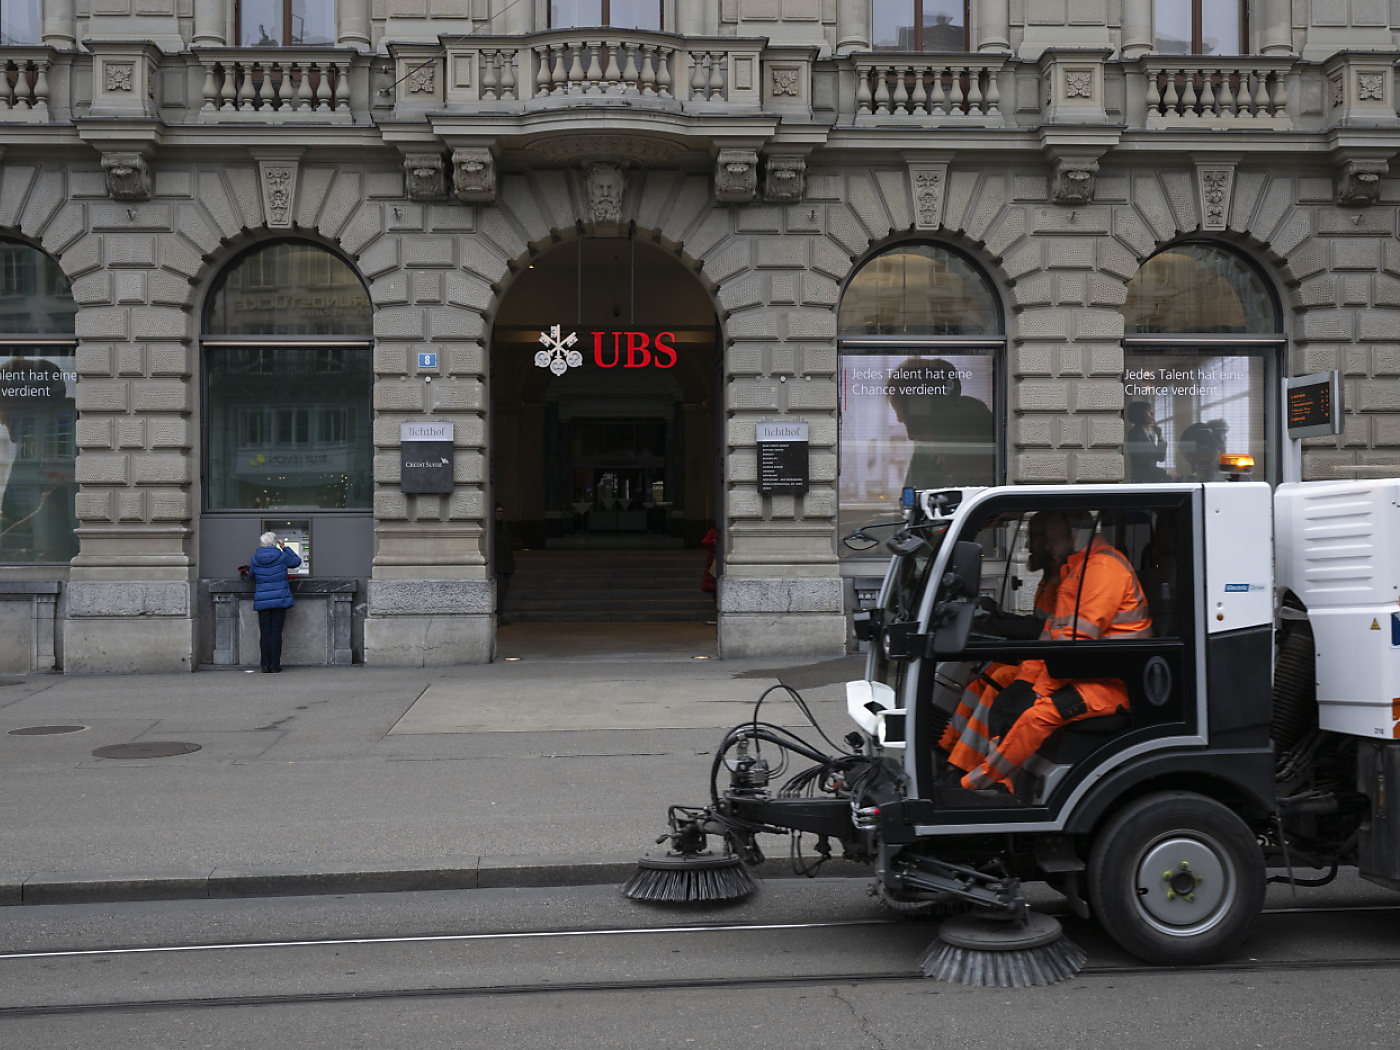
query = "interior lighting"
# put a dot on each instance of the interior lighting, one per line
(1237, 464)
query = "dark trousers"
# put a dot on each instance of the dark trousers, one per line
(270, 622)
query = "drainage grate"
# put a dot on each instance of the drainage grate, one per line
(149, 749)
(46, 730)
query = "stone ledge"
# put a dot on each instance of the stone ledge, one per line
(431, 597)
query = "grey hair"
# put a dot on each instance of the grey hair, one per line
(268, 539)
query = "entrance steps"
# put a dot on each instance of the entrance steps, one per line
(601, 586)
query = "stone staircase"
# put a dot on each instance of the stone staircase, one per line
(600, 586)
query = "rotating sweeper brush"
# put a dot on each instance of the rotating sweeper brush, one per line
(690, 872)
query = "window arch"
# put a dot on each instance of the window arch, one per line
(620, 14)
(287, 376)
(920, 339)
(1201, 354)
(38, 384)
(919, 289)
(284, 23)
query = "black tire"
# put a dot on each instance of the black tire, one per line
(1177, 879)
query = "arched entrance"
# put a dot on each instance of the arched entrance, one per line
(605, 363)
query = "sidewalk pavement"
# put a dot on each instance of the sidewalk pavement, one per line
(552, 766)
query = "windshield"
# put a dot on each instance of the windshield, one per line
(909, 574)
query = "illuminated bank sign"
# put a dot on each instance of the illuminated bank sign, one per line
(609, 350)
(427, 457)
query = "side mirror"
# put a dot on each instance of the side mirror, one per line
(964, 576)
(950, 629)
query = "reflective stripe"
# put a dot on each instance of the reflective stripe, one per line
(1143, 632)
(1087, 628)
(1134, 615)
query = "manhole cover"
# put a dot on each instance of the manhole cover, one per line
(46, 730)
(149, 749)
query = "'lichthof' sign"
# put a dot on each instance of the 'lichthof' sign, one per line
(782, 457)
(427, 457)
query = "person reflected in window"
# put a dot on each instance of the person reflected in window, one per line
(1143, 445)
(37, 516)
(1201, 445)
(954, 435)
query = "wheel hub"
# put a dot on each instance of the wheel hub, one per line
(1182, 883)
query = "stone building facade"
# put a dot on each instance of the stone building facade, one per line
(769, 150)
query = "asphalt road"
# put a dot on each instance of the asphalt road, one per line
(802, 964)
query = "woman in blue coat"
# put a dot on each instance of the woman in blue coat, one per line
(272, 595)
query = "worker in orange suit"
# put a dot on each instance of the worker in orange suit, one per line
(967, 738)
(1098, 597)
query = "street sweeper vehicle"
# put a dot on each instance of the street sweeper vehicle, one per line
(1155, 699)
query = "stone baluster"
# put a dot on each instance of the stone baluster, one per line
(1228, 107)
(993, 93)
(211, 88)
(229, 92)
(594, 76)
(544, 76)
(24, 94)
(631, 77)
(863, 95)
(576, 84)
(1188, 94)
(663, 72)
(342, 87)
(1169, 96)
(958, 97)
(323, 87)
(245, 88)
(558, 69)
(698, 79)
(5, 105)
(1154, 92)
(646, 75)
(918, 97)
(974, 90)
(265, 92)
(717, 76)
(1279, 100)
(305, 100)
(882, 92)
(612, 72)
(284, 88)
(508, 73)
(1210, 94)
(41, 85)
(938, 101)
(1261, 95)
(488, 74)
(899, 99)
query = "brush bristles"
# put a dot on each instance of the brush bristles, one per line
(709, 881)
(1020, 968)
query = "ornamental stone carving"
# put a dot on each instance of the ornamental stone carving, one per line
(421, 80)
(1359, 182)
(785, 82)
(425, 176)
(128, 176)
(279, 181)
(1079, 83)
(784, 179)
(1370, 87)
(121, 76)
(474, 174)
(928, 181)
(1074, 181)
(606, 183)
(736, 176)
(1215, 184)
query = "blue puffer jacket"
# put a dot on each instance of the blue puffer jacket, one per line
(269, 567)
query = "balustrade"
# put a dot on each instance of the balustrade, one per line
(24, 89)
(923, 88)
(597, 67)
(275, 86)
(1231, 93)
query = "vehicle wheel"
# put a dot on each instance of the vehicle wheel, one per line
(1176, 878)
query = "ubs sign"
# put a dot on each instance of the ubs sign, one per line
(610, 350)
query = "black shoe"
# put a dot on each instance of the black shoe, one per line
(277, 669)
(267, 670)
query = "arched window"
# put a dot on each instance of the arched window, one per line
(622, 14)
(1202, 337)
(919, 25)
(284, 23)
(288, 370)
(1199, 27)
(920, 339)
(38, 380)
(19, 23)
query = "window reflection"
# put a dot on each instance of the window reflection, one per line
(285, 23)
(19, 22)
(290, 289)
(624, 14)
(918, 289)
(919, 25)
(1198, 288)
(1198, 27)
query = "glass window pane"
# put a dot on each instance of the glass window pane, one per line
(264, 452)
(918, 290)
(568, 14)
(1185, 407)
(37, 450)
(944, 26)
(920, 420)
(19, 22)
(260, 23)
(313, 22)
(1220, 29)
(36, 297)
(1201, 289)
(893, 24)
(1173, 27)
(290, 289)
(635, 14)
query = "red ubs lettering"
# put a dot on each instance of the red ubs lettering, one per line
(641, 350)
